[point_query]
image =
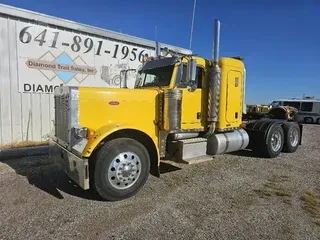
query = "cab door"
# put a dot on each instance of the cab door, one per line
(191, 102)
(234, 96)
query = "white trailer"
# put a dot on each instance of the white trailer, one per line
(308, 108)
(40, 52)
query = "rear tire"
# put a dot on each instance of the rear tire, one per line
(121, 169)
(308, 120)
(318, 121)
(291, 137)
(274, 142)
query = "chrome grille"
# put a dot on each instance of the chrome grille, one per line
(62, 120)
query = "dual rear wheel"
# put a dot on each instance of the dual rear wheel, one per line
(284, 138)
(310, 120)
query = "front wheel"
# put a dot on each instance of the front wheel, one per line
(274, 142)
(121, 169)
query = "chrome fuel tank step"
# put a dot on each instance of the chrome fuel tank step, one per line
(203, 149)
(187, 148)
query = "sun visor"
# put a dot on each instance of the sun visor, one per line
(159, 63)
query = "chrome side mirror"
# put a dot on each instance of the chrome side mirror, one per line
(180, 72)
(124, 72)
(191, 75)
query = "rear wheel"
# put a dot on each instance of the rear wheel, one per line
(122, 167)
(274, 142)
(308, 120)
(291, 137)
(318, 121)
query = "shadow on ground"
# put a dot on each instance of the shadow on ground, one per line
(167, 167)
(43, 174)
(245, 153)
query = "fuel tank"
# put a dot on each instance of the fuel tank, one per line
(227, 142)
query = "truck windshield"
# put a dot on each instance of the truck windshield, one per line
(160, 76)
(275, 104)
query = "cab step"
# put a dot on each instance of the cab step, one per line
(196, 160)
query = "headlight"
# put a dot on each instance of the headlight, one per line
(81, 132)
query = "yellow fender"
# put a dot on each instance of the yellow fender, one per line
(109, 129)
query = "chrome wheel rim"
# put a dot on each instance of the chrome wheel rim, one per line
(276, 141)
(124, 170)
(294, 137)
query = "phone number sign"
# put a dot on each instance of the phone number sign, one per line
(48, 57)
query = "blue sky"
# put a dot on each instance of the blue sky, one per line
(279, 40)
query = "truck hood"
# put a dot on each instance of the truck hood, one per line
(99, 107)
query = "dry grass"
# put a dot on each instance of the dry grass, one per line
(311, 205)
(23, 144)
(19, 201)
(274, 187)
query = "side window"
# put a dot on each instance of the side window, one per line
(199, 77)
(149, 78)
(307, 106)
(292, 104)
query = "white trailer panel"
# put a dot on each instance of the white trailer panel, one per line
(39, 52)
(48, 57)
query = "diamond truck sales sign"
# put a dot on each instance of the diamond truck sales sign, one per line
(48, 57)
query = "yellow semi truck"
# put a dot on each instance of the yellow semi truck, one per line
(184, 108)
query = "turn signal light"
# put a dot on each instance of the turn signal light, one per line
(90, 133)
(84, 132)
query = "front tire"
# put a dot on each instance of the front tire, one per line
(274, 142)
(291, 137)
(121, 169)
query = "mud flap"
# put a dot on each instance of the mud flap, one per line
(301, 131)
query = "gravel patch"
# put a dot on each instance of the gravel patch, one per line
(235, 196)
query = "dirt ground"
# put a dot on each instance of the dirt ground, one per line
(235, 196)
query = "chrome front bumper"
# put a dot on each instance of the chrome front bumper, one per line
(76, 168)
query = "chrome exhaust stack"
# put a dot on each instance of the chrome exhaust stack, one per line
(214, 82)
(216, 43)
(157, 50)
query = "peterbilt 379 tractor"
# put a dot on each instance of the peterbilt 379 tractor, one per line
(183, 107)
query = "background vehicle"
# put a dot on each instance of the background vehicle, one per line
(186, 109)
(256, 111)
(308, 108)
